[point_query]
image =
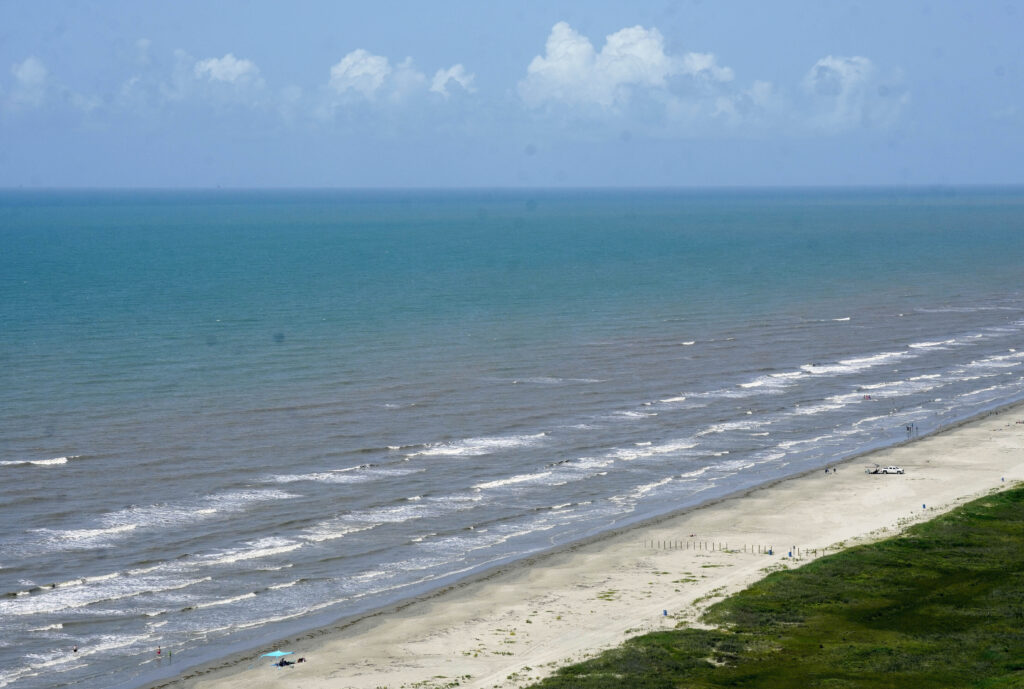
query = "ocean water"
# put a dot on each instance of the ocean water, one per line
(226, 417)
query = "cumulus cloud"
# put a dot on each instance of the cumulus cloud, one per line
(363, 76)
(572, 72)
(705, 65)
(850, 92)
(30, 77)
(756, 106)
(156, 87)
(228, 69)
(31, 72)
(34, 87)
(360, 71)
(456, 73)
(406, 80)
(178, 86)
(633, 77)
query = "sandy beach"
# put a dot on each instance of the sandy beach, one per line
(520, 623)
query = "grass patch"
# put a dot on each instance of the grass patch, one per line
(939, 607)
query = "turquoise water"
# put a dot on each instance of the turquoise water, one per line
(228, 416)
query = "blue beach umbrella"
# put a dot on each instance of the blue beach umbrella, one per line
(277, 654)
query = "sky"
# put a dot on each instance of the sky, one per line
(502, 93)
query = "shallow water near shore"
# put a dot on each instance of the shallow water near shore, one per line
(229, 416)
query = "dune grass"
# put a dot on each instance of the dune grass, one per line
(939, 606)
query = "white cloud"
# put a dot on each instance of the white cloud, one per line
(34, 87)
(363, 75)
(632, 56)
(634, 79)
(568, 60)
(705, 65)
(571, 71)
(180, 85)
(838, 76)
(220, 82)
(755, 107)
(157, 88)
(406, 80)
(30, 76)
(849, 92)
(456, 73)
(29, 73)
(228, 69)
(360, 71)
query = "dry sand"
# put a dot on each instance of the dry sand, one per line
(520, 624)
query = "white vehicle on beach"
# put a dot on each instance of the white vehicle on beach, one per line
(884, 470)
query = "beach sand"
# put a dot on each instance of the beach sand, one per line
(520, 623)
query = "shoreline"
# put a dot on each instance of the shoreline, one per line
(450, 633)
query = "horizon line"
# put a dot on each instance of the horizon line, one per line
(484, 188)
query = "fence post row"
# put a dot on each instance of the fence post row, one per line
(721, 547)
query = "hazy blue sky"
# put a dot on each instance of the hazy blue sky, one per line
(478, 93)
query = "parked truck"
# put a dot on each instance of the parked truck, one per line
(876, 469)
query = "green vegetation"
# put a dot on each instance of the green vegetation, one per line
(940, 606)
